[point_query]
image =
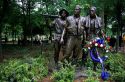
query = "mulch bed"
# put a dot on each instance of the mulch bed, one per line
(80, 79)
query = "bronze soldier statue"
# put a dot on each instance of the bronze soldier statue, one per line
(74, 30)
(93, 26)
(58, 25)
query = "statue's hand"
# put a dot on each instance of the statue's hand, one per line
(62, 41)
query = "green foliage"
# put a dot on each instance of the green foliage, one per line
(23, 70)
(65, 74)
(92, 76)
(117, 66)
(91, 79)
(91, 73)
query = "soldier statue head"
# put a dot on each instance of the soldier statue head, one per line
(92, 11)
(63, 13)
(77, 10)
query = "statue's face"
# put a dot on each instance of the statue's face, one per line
(92, 12)
(63, 14)
(77, 11)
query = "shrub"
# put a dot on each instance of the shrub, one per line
(117, 67)
(23, 70)
(65, 74)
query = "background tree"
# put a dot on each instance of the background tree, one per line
(34, 16)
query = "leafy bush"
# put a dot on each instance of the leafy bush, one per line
(23, 70)
(117, 67)
(65, 74)
(92, 76)
(91, 79)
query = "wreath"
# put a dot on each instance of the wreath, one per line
(99, 43)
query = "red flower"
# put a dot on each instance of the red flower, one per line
(108, 39)
(99, 45)
(93, 42)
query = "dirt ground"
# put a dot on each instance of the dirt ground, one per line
(80, 79)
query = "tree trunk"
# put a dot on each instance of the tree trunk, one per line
(1, 56)
(13, 36)
(29, 22)
(105, 21)
(5, 7)
(119, 20)
(24, 10)
(47, 23)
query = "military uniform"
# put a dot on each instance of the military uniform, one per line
(93, 29)
(74, 32)
(93, 26)
(58, 29)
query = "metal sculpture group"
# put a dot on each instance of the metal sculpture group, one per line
(72, 30)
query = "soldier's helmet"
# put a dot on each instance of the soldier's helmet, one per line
(61, 11)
